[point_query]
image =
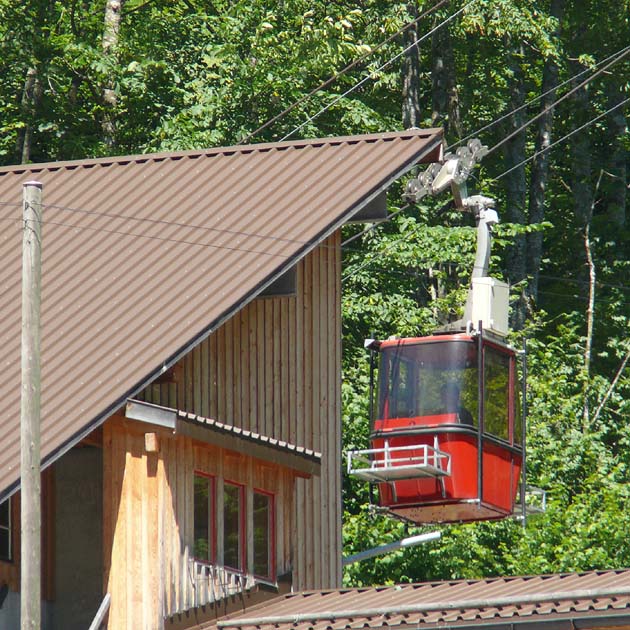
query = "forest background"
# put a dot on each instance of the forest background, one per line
(85, 78)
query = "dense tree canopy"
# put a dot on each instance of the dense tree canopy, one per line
(93, 77)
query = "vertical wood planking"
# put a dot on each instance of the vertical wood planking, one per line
(318, 348)
(333, 422)
(187, 518)
(205, 378)
(278, 519)
(169, 454)
(219, 516)
(180, 495)
(245, 364)
(268, 375)
(196, 376)
(228, 357)
(292, 349)
(249, 521)
(326, 444)
(236, 417)
(108, 505)
(189, 380)
(301, 535)
(212, 374)
(260, 366)
(253, 366)
(298, 430)
(221, 384)
(336, 414)
(160, 508)
(275, 423)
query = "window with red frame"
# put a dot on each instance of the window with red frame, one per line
(204, 518)
(234, 526)
(264, 535)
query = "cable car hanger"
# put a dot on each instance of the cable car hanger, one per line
(453, 173)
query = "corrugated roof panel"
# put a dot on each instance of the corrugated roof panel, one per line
(144, 255)
(581, 596)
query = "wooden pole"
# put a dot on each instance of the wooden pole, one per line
(30, 409)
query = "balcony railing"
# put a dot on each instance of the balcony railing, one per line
(212, 583)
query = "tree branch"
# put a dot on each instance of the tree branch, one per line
(615, 380)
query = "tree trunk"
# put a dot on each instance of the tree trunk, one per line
(582, 187)
(411, 74)
(515, 184)
(590, 323)
(540, 164)
(29, 104)
(616, 184)
(445, 95)
(111, 33)
(590, 312)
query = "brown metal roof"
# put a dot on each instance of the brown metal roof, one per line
(301, 459)
(143, 256)
(587, 600)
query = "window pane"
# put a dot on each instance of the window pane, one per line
(232, 510)
(202, 518)
(262, 534)
(497, 376)
(413, 376)
(5, 544)
(4, 513)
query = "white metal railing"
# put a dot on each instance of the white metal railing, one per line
(101, 613)
(535, 500)
(392, 463)
(212, 583)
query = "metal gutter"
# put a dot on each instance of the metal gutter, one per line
(462, 604)
(556, 622)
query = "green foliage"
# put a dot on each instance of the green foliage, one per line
(196, 73)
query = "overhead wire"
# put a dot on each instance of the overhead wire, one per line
(563, 139)
(179, 224)
(389, 246)
(372, 226)
(343, 71)
(159, 238)
(379, 69)
(566, 95)
(534, 100)
(207, 228)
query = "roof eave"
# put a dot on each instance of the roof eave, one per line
(303, 462)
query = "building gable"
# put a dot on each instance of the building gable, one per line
(143, 257)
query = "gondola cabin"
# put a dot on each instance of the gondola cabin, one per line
(446, 433)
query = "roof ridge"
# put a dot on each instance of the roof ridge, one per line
(259, 147)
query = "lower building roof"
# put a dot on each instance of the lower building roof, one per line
(304, 461)
(594, 599)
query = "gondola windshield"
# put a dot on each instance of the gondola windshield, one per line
(434, 381)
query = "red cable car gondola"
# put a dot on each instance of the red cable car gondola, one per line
(440, 451)
(447, 436)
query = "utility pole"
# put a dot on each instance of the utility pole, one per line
(30, 583)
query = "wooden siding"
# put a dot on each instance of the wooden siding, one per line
(275, 368)
(148, 511)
